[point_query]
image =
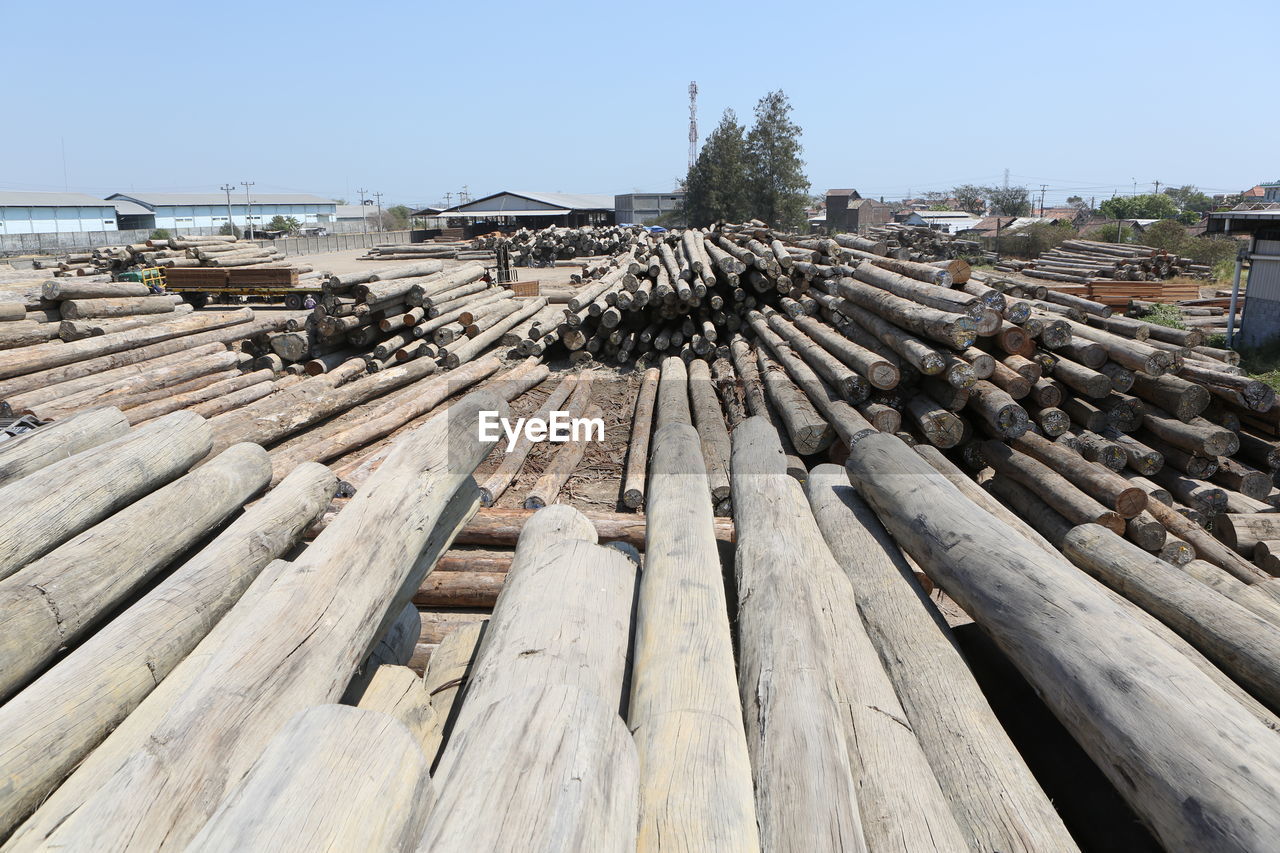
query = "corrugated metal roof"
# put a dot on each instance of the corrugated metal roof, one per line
(355, 211)
(494, 214)
(129, 208)
(35, 199)
(153, 200)
(564, 202)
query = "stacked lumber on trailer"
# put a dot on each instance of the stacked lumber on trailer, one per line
(180, 251)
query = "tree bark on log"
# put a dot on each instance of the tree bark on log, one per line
(48, 507)
(1052, 487)
(52, 601)
(708, 420)
(268, 661)
(635, 479)
(888, 781)
(87, 309)
(1013, 589)
(40, 367)
(562, 465)
(695, 773)
(996, 801)
(513, 460)
(1240, 642)
(40, 448)
(1098, 482)
(318, 784)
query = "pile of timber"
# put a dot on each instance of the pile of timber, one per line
(1209, 315)
(920, 242)
(1101, 264)
(543, 247)
(455, 250)
(395, 315)
(203, 251)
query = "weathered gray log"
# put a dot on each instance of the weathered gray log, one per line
(39, 448)
(708, 419)
(565, 461)
(1054, 489)
(84, 309)
(52, 601)
(879, 371)
(56, 290)
(1240, 642)
(106, 677)
(695, 774)
(554, 769)
(992, 794)
(333, 778)
(954, 330)
(48, 507)
(634, 483)
(1014, 589)
(673, 394)
(800, 795)
(229, 706)
(1099, 482)
(18, 335)
(1260, 598)
(121, 391)
(808, 430)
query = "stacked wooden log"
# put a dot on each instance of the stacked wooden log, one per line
(920, 241)
(189, 251)
(420, 251)
(394, 315)
(543, 247)
(1093, 262)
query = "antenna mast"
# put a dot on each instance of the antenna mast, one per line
(693, 123)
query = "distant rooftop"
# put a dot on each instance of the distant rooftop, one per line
(37, 199)
(154, 200)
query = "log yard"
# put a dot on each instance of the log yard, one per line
(736, 517)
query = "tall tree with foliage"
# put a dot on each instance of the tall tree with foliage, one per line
(779, 187)
(1009, 201)
(1149, 206)
(970, 198)
(717, 184)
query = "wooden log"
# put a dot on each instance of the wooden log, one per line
(49, 506)
(1144, 531)
(85, 309)
(107, 676)
(50, 364)
(1241, 478)
(31, 451)
(879, 371)
(1237, 640)
(1242, 532)
(399, 692)
(52, 601)
(809, 431)
(1260, 598)
(17, 335)
(318, 782)
(1184, 400)
(188, 399)
(394, 648)
(555, 771)
(780, 538)
(940, 427)
(1197, 437)
(849, 384)
(996, 801)
(708, 419)
(695, 773)
(565, 461)
(1097, 481)
(1013, 589)
(235, 399)
(633, 488)
(122, 391)
(57, 291)
(229, 707)
(1053, 488)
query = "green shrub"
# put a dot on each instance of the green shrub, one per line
(1165, 315)
(160, 234)
(1107, 234)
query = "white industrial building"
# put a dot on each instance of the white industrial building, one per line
(54, 213)
(184, 211)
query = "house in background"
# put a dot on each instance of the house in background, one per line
(847, 211)
(644, 208)
(532, 210)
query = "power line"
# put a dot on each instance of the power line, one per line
(364, 215)
(248, 205)
(378, 196)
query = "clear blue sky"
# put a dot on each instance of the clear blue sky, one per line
(416, 99)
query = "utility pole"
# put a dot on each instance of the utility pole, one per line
(227, 188)
(693, 123)
(378, 196)
(1042, 201)
(364, 217)
(248, 205)
(1157, 188)
(1135, 186)
(448, 200)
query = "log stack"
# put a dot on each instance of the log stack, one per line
(180, 251)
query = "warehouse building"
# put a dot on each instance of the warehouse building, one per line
(185, 211)
(1260, 323)
(532, 210)
(54, 213)
(643, 208)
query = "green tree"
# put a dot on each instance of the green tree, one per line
(1189, 199)
(1108, 233)
(717, 185)
(1009, 201)
(398, 215)
(1167, 234)
(284, 223)
(160, 234)
(1040, 237)
(778, 186)
(1149, 206)
(970, 198)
